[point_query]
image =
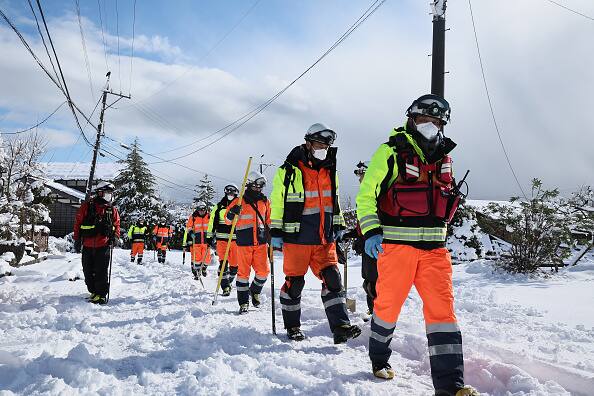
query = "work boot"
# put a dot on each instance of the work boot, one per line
(102, 300)
(226, 291)
(243, 309)
(383, 370)
(139, 261)
(132, 259)
(90, 297)
(255, 299)
(204, 273)
(95, 299)
(295, 334)
(344, 332)
(467, 390)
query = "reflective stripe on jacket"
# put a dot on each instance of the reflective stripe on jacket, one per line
(136, 234)
(250, 230)
(379, 177)
(199, 225)
(304, 200)
(220, 229)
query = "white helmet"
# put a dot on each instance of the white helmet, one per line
(103, 186)
(231, 189)
(201, 205)
(257, 179)
(320, 133)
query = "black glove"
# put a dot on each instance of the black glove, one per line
(77, 245)
(235, 210)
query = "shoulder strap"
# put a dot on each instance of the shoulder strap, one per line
(258, 213)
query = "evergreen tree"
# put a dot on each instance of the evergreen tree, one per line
(135, 194)
(206, 192)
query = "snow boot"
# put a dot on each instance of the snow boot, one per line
(243, 309)
(90, 297)
(97, 299)
(467, 390)
(226, 291)
(344, 332)
(295, 334)
(139, 261)
(383, 370)
(255, 299)
(131, 259)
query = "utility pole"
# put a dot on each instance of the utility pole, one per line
(438, 54)
(100, 133)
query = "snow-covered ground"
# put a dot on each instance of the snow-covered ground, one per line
(160, 334)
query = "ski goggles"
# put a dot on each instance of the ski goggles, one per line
(326, 136)
(259, 183)
(231, 190)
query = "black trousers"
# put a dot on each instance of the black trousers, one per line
(95, 263)
(369, 274)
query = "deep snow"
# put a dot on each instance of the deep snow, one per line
(161, 335)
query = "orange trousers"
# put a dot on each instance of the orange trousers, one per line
(222, 247)
(137, 248)
(200, 253)
(401, 266)
(161, 245)
(255, 257)
(298, 258)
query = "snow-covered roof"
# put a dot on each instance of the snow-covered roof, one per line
(60, 187)
(80, 170)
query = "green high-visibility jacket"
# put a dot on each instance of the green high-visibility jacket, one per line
(379, 177)
(217, 225)
(136, 234)
(288, 200)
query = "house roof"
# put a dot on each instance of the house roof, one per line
(66, 190)
(80, 170)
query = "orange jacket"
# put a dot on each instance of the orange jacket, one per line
(251, 229)
(199, 225)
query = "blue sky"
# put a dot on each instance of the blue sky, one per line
(361, 89)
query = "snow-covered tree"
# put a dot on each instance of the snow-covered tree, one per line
(135, 194)
(206, 192)
(538, 230)
(22, 195)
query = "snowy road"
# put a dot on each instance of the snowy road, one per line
(161, 335)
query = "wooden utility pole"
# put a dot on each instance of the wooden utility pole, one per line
(438, 54)
(100, 133)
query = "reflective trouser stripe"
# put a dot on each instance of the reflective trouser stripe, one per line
(447, 349)
(291, 309)
(442, 328)
(243, 287)
(334, 301)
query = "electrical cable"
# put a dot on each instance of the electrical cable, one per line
(205, 56)
(84, 46)
(238, 123)
(571, 10)
(132, 56)
(36, 125)
(118, 34)
(103, 35)
(491, 104)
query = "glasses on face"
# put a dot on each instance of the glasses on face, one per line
(231, 190)
(434, 109)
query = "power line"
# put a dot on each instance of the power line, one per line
(43, 40)
(103, 34)
(571, 10)
(238, 123)
(478, 50)
(205, 56)
(36, 125)
(57, 83)
(118, 34)
(84, 46)
(132, 56)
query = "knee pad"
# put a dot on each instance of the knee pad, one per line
(294, 285)
(331, 277)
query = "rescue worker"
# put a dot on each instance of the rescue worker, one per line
(198, 238)
(404, 203)
(96, 227)
(368, 263)
(252, 238)
(219, 229)
(137, 236)
(306, 222)
(161, 234)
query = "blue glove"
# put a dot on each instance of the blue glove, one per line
(373, 246)
(277, 242)
(338, 235)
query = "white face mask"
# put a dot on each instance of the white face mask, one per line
(107, 196)
(428, 130)
(320, 154)
(230, 197)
